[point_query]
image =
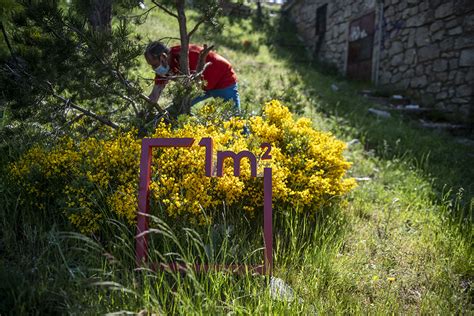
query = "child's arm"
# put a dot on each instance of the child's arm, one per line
(156, 93)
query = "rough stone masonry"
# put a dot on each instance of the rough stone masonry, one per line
(424, 47)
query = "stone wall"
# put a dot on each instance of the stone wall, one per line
(431, 53)
(425, 47)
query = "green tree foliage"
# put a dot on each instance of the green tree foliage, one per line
(7, 8)
(67, 61)
(61, 65)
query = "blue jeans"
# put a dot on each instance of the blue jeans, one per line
(228, 94)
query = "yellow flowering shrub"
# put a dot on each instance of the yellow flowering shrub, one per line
(83, 177)
(77, 176)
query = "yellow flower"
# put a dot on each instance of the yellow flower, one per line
(83, 177)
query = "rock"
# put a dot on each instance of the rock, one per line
(438, 35)
(451, 92)
(411, 37)
(366, 92)
(414, 10)
(434, 87)
(446, 45)
(466, 111)
(442, 95)
(470, 75)
(379, 113)
(461, 100)
(444, 10)
(469, 23)
(428, 52)
(419, 82)
(436, 26)
(463, 91)
(422, 36)
(385, 77)
(347, 12)
(459, 78)
(440, 106)
(440, 65)
(424, 5)
(452, 75)
(353, 142)
(396, 78)
(452, 23)
(415, 21)
(441, 76)
(464, 141)
(410, 56)
(419, 69)
(396, 48)
(444, 126)
(389, 12)
(467, 58)
(464, 41)
(398, 99)
(334, 87)
(281, 291)
(403, 5)
(455, 31)
(429, 69)
(397, 60)
(453, 63)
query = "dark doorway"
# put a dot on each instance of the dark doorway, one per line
(321, 14)
(361, 44)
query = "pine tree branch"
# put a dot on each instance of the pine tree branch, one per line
(86, 112)
(91, 114)
(139, 16)
(5, 36)
(68, 102)
(74, 120)
(117, 74)
(132, 103)
(195, 28)
(162, 7)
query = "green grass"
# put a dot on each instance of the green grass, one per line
(401, 243)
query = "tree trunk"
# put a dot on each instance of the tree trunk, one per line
(259, 12)
(183, 33)
(100, 15)
(184, 104)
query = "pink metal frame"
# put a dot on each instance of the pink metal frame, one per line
(141, 250)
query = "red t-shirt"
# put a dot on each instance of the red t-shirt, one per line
(218, 75)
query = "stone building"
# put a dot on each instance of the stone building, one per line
(424, 47)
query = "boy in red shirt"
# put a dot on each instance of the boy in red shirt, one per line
(219, 75)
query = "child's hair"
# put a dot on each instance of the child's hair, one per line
(156, 48)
